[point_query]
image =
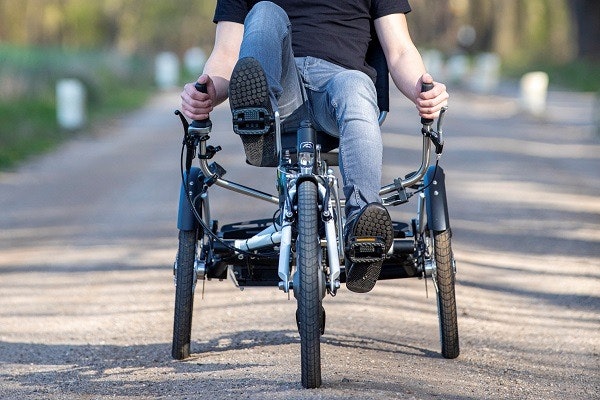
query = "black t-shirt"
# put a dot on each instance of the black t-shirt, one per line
(338, 31)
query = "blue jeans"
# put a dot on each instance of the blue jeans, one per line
(340, 102)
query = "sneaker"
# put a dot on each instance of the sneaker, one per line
(368, 238)
(252, 112)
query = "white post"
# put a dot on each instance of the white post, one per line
(70, 104)
(486, 74)
(434, 63)
(596, 113)
(166, 70)
(194, 60)
(534, 91)
(457, 68)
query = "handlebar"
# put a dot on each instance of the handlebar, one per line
(198, 131)
(429, 136)
(200, 126)
(425, 87)
(435, 136)
(196, 134)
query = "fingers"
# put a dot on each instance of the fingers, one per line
(431, 102)
(194, 104)
(426, 78)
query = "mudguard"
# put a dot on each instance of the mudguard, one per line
(435, 197)
(186, 221)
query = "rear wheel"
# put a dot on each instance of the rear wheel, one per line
(184, 294)
(310, 312)
(446, 298)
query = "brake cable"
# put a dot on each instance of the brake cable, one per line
(198, 217)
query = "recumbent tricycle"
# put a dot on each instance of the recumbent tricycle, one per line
(302, 249)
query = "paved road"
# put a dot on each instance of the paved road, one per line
(88, 237)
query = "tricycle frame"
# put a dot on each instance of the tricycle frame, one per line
(267, 252)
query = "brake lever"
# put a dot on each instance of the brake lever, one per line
(184, 122)
(438, 141)
(195, 132)
(435, 136)
(441, 119)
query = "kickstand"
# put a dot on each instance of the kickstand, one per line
(231, 275)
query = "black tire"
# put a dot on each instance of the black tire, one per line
(184, 294)
(308, 293)
(446, 298)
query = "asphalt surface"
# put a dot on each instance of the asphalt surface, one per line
(88, 238)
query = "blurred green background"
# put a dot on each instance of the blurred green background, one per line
(110, 46)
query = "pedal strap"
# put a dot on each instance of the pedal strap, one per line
(252, 120)
(366, 249)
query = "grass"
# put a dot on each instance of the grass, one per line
(579, 75)
(116, 84)
(28, 126)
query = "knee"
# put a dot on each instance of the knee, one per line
(354, 89)
(352, 81)
(268, 12)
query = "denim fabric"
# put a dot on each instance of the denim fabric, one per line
(341, 102)
(267, 38)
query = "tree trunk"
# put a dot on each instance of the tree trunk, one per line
(587, 22)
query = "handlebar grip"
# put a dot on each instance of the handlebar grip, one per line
(204, 123)
(201, 87)
(425, 87)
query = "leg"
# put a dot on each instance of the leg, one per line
(347, 105)
(267, 38)
(264, 80)
(350, 101)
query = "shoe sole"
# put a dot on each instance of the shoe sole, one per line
(248, 86)
(249, 92)
(373, 222)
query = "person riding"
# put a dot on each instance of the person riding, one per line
(308, 59)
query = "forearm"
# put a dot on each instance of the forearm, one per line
(406, 66)
(223, 57)
(406, 70)
(220, 80)
(404, 61)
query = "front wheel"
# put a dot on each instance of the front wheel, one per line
(310, 312)
(184, 293)
(446, 298)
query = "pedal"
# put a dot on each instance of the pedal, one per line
(252, 121)
(366, 249)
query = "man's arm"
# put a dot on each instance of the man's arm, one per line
(406, 65)
(216, 74)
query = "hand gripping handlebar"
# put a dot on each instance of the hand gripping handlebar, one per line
(425, 87)
(200, 127)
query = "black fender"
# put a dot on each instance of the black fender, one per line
(303, 178)
(186, 220)
(313, 178)
(435, 198)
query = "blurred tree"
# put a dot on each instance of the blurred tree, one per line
(587, 21)
(127, 25)
(519, 30)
